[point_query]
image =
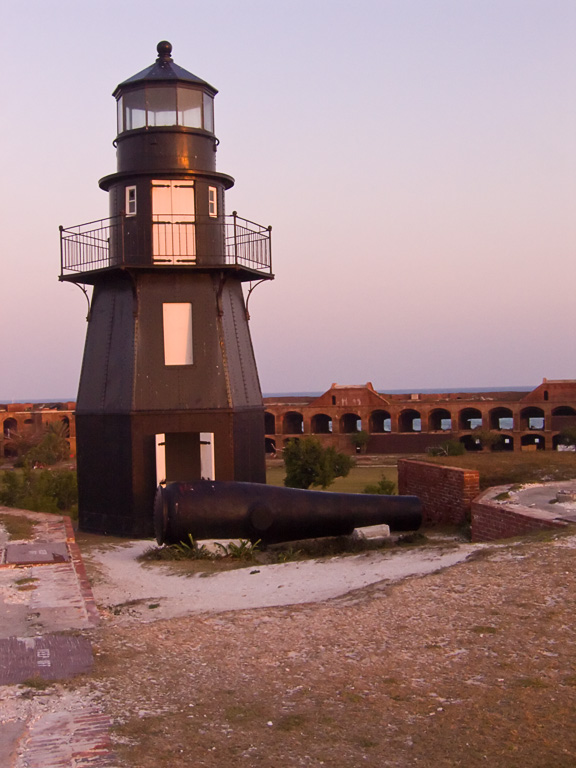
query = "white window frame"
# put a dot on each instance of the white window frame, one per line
(131, 201)
(213, 202)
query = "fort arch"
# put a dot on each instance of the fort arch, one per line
(380, 421)
(409, 420)
(293, 423)
(321, 424)
(440, 420)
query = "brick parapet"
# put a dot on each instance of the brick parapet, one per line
(492, 520)
(446, 492)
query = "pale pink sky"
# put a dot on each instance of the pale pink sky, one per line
(416, 159)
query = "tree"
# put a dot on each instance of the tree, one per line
(308, 463)
(360, 440)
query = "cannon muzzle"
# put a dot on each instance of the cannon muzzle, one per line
(208, 509)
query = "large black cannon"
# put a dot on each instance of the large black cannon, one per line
(207, 509)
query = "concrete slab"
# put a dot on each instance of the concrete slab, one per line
(37, 553)
(50, 657)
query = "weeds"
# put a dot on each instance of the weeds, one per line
(244, 550)
(18, 527)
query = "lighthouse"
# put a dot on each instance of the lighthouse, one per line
(169, 388)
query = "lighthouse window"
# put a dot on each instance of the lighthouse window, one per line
(134, 110)
(177, 323)
(130, 201)
(161, 104)
(189, 108)
(212, 201)
(208, 113)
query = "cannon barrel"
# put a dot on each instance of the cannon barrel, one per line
(208, 509)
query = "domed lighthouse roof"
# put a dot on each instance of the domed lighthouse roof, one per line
(163, 69)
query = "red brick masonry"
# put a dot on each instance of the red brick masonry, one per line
(491, 520)
(446, 493)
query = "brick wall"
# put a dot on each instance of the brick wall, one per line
(491, 520)
(446, 493)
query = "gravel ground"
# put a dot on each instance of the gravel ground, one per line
(472, 665)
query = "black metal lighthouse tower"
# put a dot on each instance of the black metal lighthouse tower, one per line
(169, 388)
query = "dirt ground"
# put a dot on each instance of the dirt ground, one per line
(473, 665)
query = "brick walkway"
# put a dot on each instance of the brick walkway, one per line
(45, 593)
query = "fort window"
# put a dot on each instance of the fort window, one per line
(10, 427)
(350, 422)
(410, 421)
(545, 394)
(269, 423)
(440, 420)
(471, 443)
(321, 424)
(293, 423)
(532, 418)
(562, 417)
(65, 426)
(380, 421)
(533, 442)
(501, 418)
(333, 399)
(470, 418)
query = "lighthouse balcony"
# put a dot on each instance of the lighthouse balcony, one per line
(183, 241)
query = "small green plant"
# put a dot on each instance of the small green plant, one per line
(191, 550)
(383, 487)
(243, 550)
(502, 496)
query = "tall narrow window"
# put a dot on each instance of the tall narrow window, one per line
(130, 201)
(212, 201)
(177, 333)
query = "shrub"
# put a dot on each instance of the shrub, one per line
(41, 490)
(384, 487)
(308, 463)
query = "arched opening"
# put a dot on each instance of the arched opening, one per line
(505, 443)
(293, 423)
(350, 422)
(501, 418)
(409, 421)
(470, 418)
(559, 445)
(66, 426)
(321, 424)
(380, 421)
(269, 423)
(533, 443)
(270, 445)
(10, 427)
(28, 424)
(471, 443)
(440, 420)
(532, 418)
(562, 417)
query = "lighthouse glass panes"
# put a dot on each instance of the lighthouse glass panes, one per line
(158, 105)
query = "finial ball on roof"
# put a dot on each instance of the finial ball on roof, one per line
(164, 49)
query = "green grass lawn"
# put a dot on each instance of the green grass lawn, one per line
(358, 478)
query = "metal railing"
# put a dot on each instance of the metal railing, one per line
(198, 242)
